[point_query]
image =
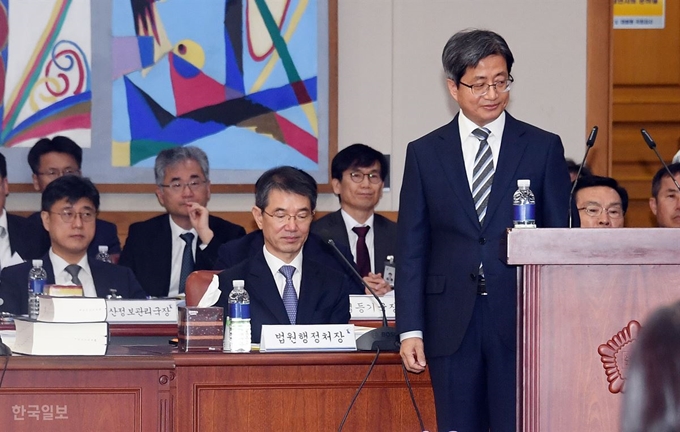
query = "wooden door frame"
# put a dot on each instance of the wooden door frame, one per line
(599, 83)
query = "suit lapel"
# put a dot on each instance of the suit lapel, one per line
(449, 151)
(100, 278)
(512, 149)
(164, 250)
(310, 291)
(336, 228)
(47, 265)
(379, 243)
(265, 290)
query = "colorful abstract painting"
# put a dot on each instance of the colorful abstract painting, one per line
(237, 78)
(45, 70)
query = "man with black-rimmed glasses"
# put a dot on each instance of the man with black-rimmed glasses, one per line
(163, 250)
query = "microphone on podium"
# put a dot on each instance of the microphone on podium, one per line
(384, 338)
(589, 144)
(652, 145)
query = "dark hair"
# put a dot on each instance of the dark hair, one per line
(174, 155)
(71, 187)
(651, 400)
(656, 181)
(573, 168)
(467, 48)
(58, 144)
(358, 156)
(3, 166)
(287, 179)
(593, 181)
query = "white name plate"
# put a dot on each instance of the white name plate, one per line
(314, 337)
(141, 311)
(365, 307)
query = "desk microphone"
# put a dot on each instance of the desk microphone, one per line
(652, 145)
(589, 144)
(383, 338)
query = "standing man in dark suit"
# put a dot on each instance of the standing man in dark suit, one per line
(69, 210)
(286, 283)
(456, 300)
(18, 242)
(163, 250)
(50, 159)
(358, 175)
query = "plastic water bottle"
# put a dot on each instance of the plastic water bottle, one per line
(103, 254)
(524, 205)
(36, 284)
(239, 318)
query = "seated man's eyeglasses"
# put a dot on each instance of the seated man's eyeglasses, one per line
(281, 218)
(59, 173)
(358, 177)
(501, 85)
(177, 186)
(615, 212)
(68, 215)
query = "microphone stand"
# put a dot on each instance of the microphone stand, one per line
(589, 144)
(652, 145)
(383, 338)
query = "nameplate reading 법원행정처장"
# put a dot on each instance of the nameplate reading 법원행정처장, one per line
(312, 337)
(144, 311)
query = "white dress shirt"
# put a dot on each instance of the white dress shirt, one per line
(275, 264)
(354, 237)
(62, 277)
(470, 143)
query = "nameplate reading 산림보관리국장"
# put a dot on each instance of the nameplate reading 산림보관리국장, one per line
(312, 337)
(366, 307)
(141, 311)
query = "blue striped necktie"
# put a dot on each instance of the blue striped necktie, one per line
(290, 300)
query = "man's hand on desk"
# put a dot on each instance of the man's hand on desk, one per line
(413, 354)
(378, 284)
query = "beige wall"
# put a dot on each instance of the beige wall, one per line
(392, 88)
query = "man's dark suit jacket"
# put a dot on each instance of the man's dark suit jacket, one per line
(23, 238)
(105, 234)
(441, 242)
(236, 251)
(14, 283)
(323, 294)
(332, 226)
(148, 250)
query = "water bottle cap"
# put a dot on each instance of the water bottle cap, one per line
(104, 249)
(238, 283)
(523, 183)
(37, 263)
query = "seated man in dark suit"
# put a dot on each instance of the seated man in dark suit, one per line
(50, 159)
(163, 250)
(69, 210)
(359, 173)
(18, 242)
(283, 272)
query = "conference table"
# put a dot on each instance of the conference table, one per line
(139, 387)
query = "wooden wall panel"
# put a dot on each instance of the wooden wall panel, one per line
(646, 94)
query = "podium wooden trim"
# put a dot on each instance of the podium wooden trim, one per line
(580, 292)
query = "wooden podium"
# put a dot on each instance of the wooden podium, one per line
(582, 296)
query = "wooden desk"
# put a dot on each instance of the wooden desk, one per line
(159, 390)
(295, 392)
(103, 394)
